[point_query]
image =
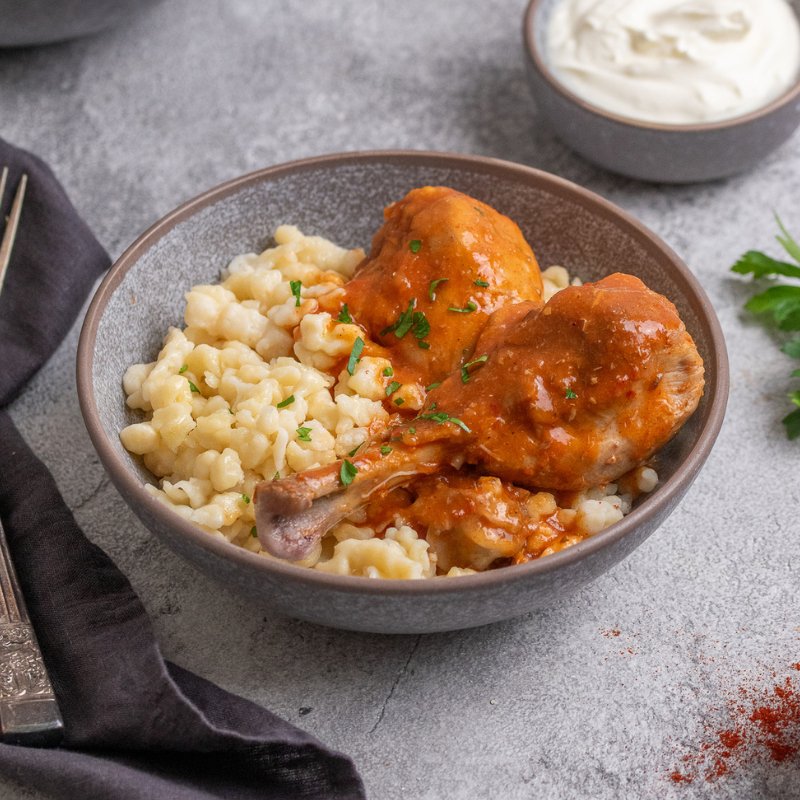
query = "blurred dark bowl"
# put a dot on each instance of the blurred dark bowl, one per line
(29, 22)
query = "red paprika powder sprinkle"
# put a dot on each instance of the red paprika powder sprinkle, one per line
(731, 739)
(766, 728)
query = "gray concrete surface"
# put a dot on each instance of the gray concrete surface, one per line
(549, 706)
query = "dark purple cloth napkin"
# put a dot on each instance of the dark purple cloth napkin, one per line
(136, 727)
(55, 261)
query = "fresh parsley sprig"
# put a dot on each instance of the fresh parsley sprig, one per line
(779, 304)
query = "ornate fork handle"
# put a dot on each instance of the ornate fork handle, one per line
(28, 709)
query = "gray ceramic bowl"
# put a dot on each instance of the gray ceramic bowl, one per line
(652, 152)
(30, 22)
(342, 197)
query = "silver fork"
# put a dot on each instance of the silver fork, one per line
(28, 709)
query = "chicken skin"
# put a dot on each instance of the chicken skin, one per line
(573, 395)
(440, 265)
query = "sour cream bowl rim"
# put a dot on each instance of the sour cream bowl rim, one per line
(530, 26)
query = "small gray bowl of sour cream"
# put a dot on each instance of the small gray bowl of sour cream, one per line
(664, 90)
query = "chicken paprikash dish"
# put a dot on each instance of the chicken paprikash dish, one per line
(437, 406)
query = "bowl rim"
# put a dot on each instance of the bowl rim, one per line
(529, 23)
(665, 495)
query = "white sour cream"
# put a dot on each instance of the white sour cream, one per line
(675, 61)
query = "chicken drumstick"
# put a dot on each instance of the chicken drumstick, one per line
(577, 394)
(451, 260)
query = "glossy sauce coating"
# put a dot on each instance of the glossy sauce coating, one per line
(438, 250)
(578, 393)
(473, 521)
(562, 397)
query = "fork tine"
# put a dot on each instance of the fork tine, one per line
(12, 225)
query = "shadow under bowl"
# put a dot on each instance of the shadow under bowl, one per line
(342, 198)
(651, 151)
(25, 23)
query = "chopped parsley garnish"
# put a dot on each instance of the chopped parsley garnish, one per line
(433, 285)
(433, 386)
(388, 371)
(404, 322)
(355, 449)
(344, 315)
(254, 532)
(484, 284)
(414, 245)
(779, 304)
(385, 449)
(409, 320)
(412, 430)
(420, 327)
(355, 354)
(287, 402)
(347, 472)
(398, 401)
(465, 368)
(570, 395)
(183, 369)
(246, 499)
(441, 417)
(296, 286)
(304, 434)
(392, 388)
(468, 308)
(193, 388)
(423, 345)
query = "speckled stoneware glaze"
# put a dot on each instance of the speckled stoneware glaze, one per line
(31, 22)
(653, 152)
(342, 197)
